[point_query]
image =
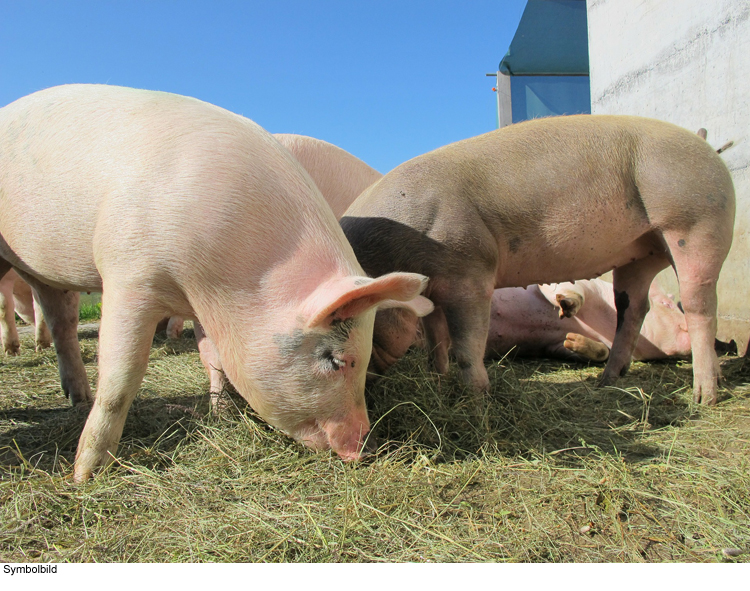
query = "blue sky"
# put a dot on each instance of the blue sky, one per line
(386, 80)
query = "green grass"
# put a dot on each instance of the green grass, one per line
(546, 467)
(90, 307)
(89, 312)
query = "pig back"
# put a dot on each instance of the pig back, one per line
(162, 183)
(598, 186)
(339, 175)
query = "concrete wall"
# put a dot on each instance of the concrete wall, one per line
(504, 107)
(688, 62)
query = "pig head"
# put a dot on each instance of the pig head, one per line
(340, 176)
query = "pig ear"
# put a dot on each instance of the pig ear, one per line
(420, 305)
(346, 297)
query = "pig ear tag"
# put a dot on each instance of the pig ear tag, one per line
(347, 297)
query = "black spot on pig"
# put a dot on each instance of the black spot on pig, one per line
(382, 246)
(635, 203)
(717, 200)
(622, 303)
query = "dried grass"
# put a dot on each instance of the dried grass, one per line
(547, 467)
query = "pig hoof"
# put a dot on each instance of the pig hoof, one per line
(13, 349)
(89, 459)
(585, 347)
(174, 333)
(569, 305)
(221, 403)
(606, 380)
(79, 399)
(82, 475)
(42, 346)
(707, 396)
(476, 380)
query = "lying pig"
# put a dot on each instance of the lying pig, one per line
(16, 297)
(546, 201)
(339, 175)
(578, 321)
(172, 206)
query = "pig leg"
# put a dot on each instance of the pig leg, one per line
(11, 344)
(174, 327)
(569, 304)
(586, 347)
(697, 264)
(631, 283)
(60, 309)
(468, 317)
(437, 339)
(211, 361)
(42, 335)
(125, 335)
(29, 309)
(699, 303)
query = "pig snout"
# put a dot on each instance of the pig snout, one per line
(381, 360)
(345, 436)
(394, 332)
(666, 328)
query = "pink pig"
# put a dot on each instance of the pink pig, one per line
(16, 297)
(172, 206)
(339, 175)
(578, 321)
(544, 201)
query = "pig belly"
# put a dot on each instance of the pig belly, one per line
(587, 253)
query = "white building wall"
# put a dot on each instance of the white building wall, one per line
(687, 62)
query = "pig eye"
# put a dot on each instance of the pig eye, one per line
(332, 362)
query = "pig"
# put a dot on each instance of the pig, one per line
(16, 297)
(171, 206)
(577, 321)
(339, 175)
(547, 201)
